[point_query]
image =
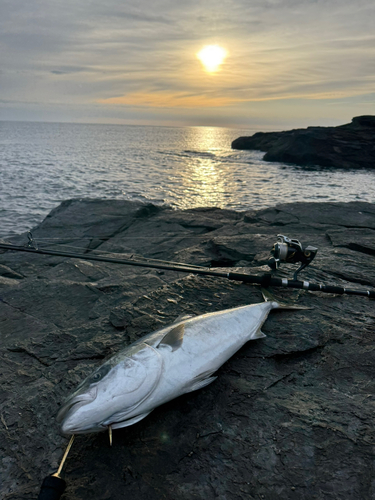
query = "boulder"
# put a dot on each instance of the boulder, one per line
(290, 416)
(346, 146)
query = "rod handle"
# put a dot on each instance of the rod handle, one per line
(52, 488)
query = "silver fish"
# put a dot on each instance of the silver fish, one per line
(161, 366)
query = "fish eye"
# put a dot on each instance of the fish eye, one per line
(99, 374)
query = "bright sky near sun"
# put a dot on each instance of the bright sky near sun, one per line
(212, 57)
(263, 63)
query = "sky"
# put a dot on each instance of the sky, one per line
(289, 63)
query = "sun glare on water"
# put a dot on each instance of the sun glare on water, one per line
(212, 56)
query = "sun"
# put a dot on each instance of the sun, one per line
(212, 56)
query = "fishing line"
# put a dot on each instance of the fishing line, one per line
(120, 238)
(131, 257)
(32, 244)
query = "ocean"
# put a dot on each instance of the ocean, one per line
(42, 164)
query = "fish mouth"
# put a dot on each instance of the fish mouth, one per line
(97, 427)
(74, 402)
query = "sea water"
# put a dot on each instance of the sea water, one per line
(42, 164)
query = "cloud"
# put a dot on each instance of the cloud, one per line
(141, 54)
(68, 70)
(169, 100)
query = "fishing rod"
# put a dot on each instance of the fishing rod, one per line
(284, 250)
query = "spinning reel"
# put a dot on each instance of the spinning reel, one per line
(291, 252)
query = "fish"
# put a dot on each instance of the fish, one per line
(174, 360)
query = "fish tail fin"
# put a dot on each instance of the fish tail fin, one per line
(279, 304)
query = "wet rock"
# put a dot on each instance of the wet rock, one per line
(347, 146)
(290, 416)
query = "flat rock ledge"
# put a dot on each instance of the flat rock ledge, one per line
(347, 146)
(290, 416)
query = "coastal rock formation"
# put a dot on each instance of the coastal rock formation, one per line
(290, 416)
(346, 146)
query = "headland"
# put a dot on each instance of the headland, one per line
(347, 146)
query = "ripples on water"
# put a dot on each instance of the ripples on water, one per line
(42, 164)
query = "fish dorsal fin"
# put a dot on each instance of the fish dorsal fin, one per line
(182, 317)
(174, 337)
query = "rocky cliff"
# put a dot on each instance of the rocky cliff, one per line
(347, 146)
(290, 416)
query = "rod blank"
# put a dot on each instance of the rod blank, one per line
(265, 280)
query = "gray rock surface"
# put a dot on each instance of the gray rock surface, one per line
(290, 416)
(348, 146)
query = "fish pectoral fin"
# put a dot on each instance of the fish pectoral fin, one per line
(174, 337)
(199, 384)
(258, 335)
(130, 421)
